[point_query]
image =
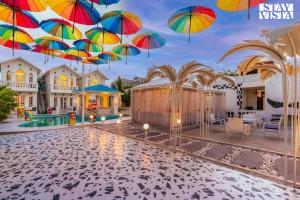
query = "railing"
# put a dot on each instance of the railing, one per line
(64, 88)
(249, 78)
(20, 85)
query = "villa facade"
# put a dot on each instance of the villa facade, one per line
(60, 82)
(22, 77)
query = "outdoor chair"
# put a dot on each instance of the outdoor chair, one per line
(273, 126)
(217, 122)
(251, 119)
(236, 125)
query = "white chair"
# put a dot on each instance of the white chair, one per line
(250, 118)
(236, 125)
(217, 122)
(274, 125)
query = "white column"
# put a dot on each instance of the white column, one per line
(82, 96)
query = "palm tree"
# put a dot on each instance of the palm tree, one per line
(7, 102)
(278, 58)
(177, 79)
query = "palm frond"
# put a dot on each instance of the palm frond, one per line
(169, 72)
(187, 69)
(152, 73)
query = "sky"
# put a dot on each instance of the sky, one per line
(205, 47)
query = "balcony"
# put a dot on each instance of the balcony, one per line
(251, 80)
(62, 88)
(20, 86)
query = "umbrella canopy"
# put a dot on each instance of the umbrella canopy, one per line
(148, 41)
(51, 43)
(9, 32)
(77, 11)
(109, 56)
(76, 52)
(101, 36)
(46, 51)
(96, 60)
(191, 19)
(121, 22)
(17, 17)
(87, 45)
(60, 28)
(126, 50)
(238, 5)
(105, 2)
(29, 5)
(16, 45)
(70, 57)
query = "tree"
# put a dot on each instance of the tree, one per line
(7, 102)
(118, 85)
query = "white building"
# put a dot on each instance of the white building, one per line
(60, 82)
(21, 76)
(92, 78)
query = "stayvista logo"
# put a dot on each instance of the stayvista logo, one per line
(276, 11)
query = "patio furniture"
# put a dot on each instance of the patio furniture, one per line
(236, 125)
(274, 125)
(217, 122)
(251, 119)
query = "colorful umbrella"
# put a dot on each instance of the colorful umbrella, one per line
(29, 5)
(87, 45)
(191, 19)
(126, 49)
(60, 28)
(51, 43)
(70, 57)
(121, 22)
(101, 36)
(78, 11)
(15, 45)
(17, 17)
(105, 2)
(148, 41)
(14, 33)
(96, 60)
(238, 5)
(76, 52)
(46, 51)
(109, 56)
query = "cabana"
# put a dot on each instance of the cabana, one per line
(151, 103)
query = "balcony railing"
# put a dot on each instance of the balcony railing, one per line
(63, 88)
(20, 86)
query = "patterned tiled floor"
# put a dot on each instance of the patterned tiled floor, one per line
(79, 163)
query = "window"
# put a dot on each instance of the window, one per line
(30, 78)
(55, 80)
(93, 82)
(8, 75)
(71, 82)
(30, 101)
(63, 80)
(63, 103)
(20, 76)
(55, 102)
(71, 102)
(20, 100)
(110, 101)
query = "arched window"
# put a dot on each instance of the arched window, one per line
(63, 80)
(93, 81)
(71, 82)
(55, 80)
(20, 75)
(8, 75)
(30, 78)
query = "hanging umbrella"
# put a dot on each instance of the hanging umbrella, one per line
(17, 17)
(76, 52)
(121, 22)
(96, 60)
(60, 28)
(148, 41)
(109, 56)
(77, 11)
(101, 36)
(238, 5)
(29, 5)
(70, 57)
(15, 45)
(14, 33)
(191, 19)
(126, 49)
(105, 2)
(51, 43)
(46, 51)
(87, 45)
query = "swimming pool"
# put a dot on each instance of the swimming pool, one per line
(55, 120)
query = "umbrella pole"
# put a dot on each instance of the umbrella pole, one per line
(148, 51)
(126, 54)
(102, 40)
(45, 59)
(190, 28)
(248, 9)
(13, 42)
(74, 22)
(62, 33)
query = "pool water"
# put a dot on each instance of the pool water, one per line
(54, 120)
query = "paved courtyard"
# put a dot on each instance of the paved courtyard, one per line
(78, 163)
